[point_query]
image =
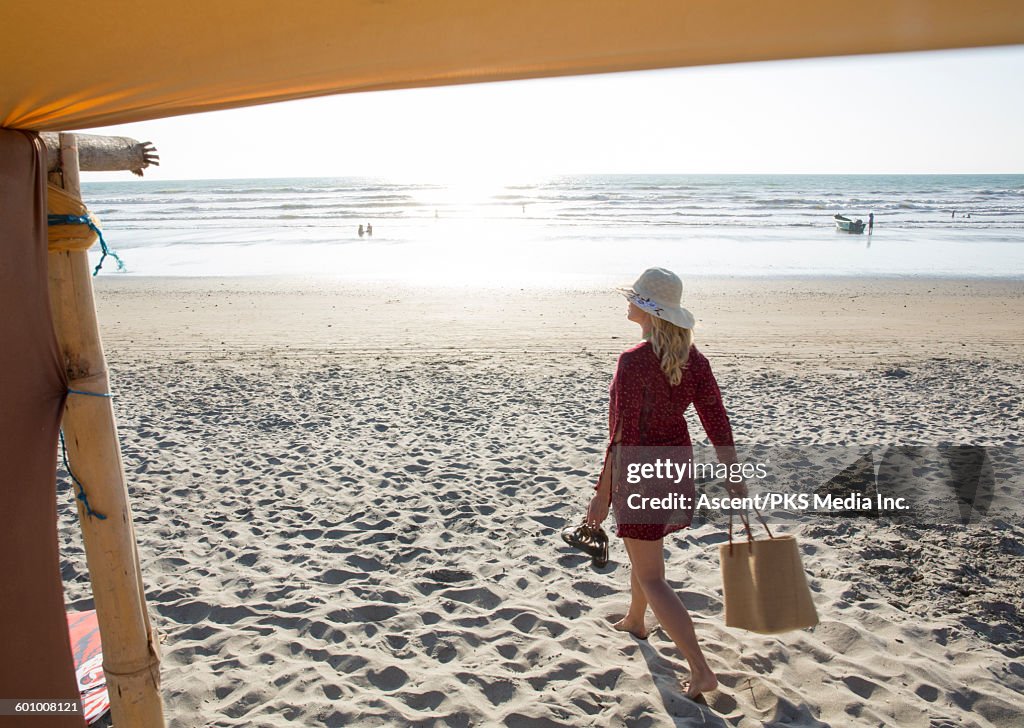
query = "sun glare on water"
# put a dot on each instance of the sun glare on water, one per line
(468, 192)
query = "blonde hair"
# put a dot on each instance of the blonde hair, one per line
(672, 345)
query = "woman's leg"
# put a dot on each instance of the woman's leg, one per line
(649, 569)
(634, 622)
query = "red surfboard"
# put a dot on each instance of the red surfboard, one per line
(88, 654)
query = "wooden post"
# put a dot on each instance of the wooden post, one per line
(131, 657)
(103, 153)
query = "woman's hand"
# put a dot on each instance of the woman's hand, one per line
(737, 490)
(597, 511)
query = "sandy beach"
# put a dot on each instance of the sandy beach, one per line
(348, 498)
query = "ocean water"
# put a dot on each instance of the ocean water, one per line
(569, 230)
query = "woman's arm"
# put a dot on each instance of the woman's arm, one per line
(707, 401)
(597, 511)
(623, 427)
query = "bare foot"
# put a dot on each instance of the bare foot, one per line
(700, 684)
(634, 627)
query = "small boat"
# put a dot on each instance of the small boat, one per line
(846, 225)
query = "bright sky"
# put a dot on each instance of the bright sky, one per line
(941, 112)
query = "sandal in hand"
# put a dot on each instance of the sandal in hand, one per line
(591, 540)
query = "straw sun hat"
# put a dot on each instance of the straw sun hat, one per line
(659, 292)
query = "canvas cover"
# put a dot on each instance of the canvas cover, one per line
(35, 652)
(98, 62)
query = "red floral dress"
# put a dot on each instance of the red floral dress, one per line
(650, 413)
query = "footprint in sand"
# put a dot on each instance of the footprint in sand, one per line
(388, 679)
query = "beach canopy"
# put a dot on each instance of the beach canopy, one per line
(102, 62)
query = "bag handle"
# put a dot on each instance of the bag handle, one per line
(746, 525)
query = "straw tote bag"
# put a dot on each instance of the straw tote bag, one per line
(764, 583)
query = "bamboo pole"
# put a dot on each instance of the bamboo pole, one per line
(103, 153)
(131, 657)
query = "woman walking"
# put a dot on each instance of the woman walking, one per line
(655, 381)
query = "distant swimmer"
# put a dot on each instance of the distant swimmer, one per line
(369, 229)
(954, 214)
(871, 222)
(360, 231)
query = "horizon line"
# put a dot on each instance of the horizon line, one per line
(523, 177)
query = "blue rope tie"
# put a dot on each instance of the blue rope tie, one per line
(90, 394)
(86, 220)
(64, 456)
(80, 495)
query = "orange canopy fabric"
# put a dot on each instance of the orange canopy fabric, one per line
(35, 652)
(86, 63)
